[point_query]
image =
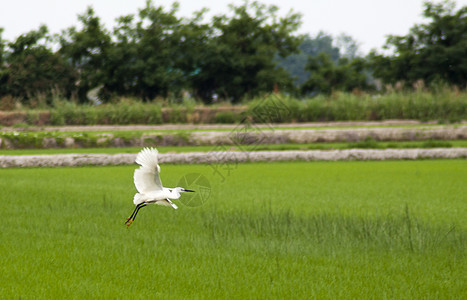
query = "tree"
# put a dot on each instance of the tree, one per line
(343, 46)
(34, 69)
(2, 47)
(347, 46)
(154, 55)
(3, 68)
(239, 58)
(435, 51)
(86, 51)
(328, 76)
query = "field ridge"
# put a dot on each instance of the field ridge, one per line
(239, 135)
(222, 157)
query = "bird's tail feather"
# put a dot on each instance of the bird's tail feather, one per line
(172, 204)
(165, 202)
(138, 199)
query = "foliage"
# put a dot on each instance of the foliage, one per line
(86, 49)
(3, 68)
(433, 52)
(227, 117)
(348, 47)
(310, 47)
(125, 112)
(239, 60)
(157, 54)
(328, 76)
(245, 53)
(446, 105)
(35, 70)
(154, 55)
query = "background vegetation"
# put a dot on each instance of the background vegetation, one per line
(445, 106)
(154, 55)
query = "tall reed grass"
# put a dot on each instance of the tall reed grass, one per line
(443, 105)
(122, 113)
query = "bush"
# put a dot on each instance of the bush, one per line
(227, 117)
(122, 113)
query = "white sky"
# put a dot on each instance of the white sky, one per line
(367, 21)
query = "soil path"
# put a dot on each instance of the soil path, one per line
(217, 159)
(220, 126)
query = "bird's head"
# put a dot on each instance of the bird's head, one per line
(181, 190)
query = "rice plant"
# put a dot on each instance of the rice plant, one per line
(328, 230)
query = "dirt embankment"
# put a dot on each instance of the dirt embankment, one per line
(84, 128)
(221, 157)
(233, 135)
(302, 136)
(280, 133)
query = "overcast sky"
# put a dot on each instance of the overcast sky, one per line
(367, 21)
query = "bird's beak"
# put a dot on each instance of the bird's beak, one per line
(189, 191)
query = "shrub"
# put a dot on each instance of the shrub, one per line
(227, 117)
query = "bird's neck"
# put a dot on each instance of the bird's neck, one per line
(172, 193)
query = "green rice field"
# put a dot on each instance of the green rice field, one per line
(295, 230)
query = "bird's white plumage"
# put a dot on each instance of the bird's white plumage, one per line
(148, 182)
(149, 185)
(147, 178)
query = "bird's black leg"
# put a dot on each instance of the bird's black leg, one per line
(134, 217)
(131, 218)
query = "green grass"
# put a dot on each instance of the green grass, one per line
(367, 144)
(446, 105)
(327, 230)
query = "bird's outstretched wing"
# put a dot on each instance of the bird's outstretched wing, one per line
(147, 176)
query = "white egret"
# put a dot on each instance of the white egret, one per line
(149, 186)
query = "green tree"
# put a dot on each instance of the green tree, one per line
(343, 46)
(86, 50)
(3, 67)
(34, 69)
(435, 51)
(2, 47)
(328, 76)
(154, 55)
(347, 46)
(239, 59)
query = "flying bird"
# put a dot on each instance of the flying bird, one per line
(149, 185)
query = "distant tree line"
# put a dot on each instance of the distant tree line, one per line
(242, 54)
